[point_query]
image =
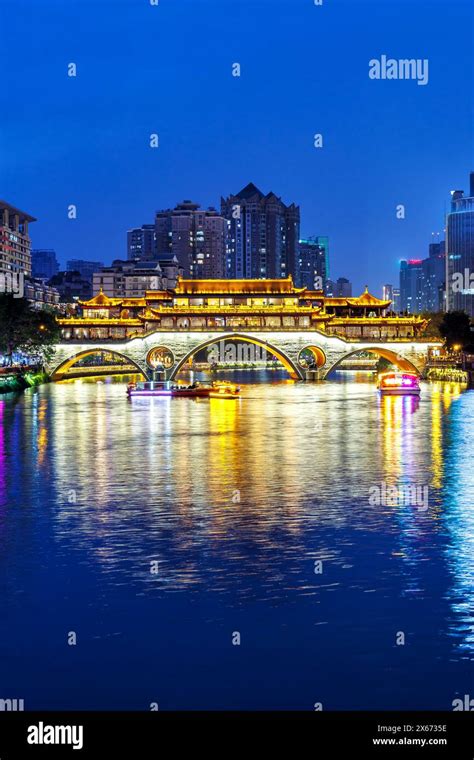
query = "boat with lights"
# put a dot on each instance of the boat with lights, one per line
(224, 390)
(398, 383)
(168, 389)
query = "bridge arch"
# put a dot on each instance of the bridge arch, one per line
(292, 368)
(62, 368)
(316, 353)
(393, 357)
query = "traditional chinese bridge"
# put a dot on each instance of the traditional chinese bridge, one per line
(168, 327)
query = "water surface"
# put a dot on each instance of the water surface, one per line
(233, 503)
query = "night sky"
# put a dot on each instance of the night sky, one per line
(143, 69)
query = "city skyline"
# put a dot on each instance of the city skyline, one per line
(188, 235)
(376, 150)
(65, 260)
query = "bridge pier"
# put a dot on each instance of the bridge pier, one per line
(314, 375)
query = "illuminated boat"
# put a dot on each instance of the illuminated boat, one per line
(168, 389)
(224, 390)
(398, 383)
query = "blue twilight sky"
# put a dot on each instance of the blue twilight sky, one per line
(167, 69)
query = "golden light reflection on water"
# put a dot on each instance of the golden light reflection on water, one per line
(395, 412)
(442, 396)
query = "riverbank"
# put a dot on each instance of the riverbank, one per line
(447, 374)
(16, 382)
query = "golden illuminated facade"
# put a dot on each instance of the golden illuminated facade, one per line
(228, 305)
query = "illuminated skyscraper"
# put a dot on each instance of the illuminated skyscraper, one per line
(196, 236)
(396, 300)
(460, 252)
(263, 235)
(312, 272)
(411, 286)
(141, 243)
(434, 278)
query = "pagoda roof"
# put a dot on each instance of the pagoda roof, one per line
(128, 303)
(243, 286)
(365, 300)
(100, 300)
(159, 295)
(108, 321)
(313, 294)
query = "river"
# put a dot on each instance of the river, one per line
(212, 554)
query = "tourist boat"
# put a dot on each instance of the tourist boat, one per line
(168, 389)
(224, 390)
(398, 383)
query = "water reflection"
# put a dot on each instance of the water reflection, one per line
(459, 516)
(237, 500)
(3, 453)
(271, 465)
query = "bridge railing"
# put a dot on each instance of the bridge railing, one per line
(381, 338)
(125, 369)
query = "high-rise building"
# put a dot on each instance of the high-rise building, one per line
(263, 235)
(44, 263)
(411, 286)
(141, 243)
(323, 241)
(15, 243)
(312, 270)
(389, 293)
(85, 268)
(343, 288)
(197, 237)
(460, 252)
(396, 301)
(434, 278)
